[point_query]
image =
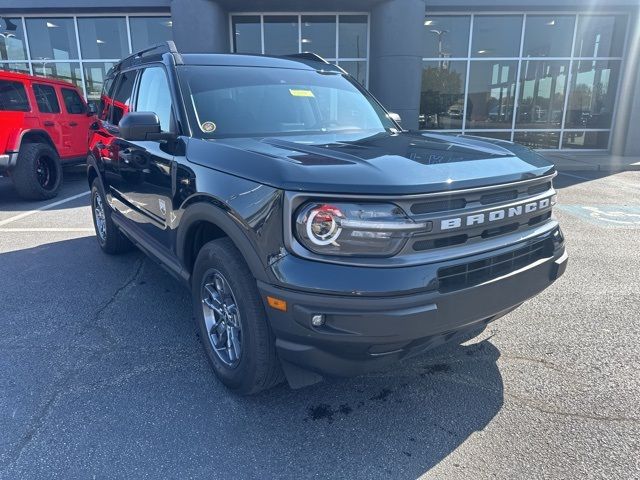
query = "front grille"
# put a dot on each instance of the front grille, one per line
(474, 273)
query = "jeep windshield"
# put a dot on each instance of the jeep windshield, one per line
(230, 101)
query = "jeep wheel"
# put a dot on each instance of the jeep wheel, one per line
(110, 239)
(38, 173)
(231, 320)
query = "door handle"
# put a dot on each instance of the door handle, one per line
(73, 124)
(49, 123)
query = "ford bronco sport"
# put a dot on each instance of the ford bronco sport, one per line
(44, 124)
(317, 237)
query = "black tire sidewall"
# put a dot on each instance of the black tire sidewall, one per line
(243, 376)
(25, 177)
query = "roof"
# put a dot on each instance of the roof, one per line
(294, 61)
(5, 75)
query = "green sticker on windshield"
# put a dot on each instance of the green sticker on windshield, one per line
(301, 93)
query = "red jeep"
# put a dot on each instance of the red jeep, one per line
(44, 123)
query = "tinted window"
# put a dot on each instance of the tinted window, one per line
(600, 36)
(103, 37)
(280, 35)
(105, 101)
(72, 101)
(122, 96)
(52, 38)
(446, 37)
(548, 36)
(319, 35)
(154, 96)
(46, 98)
(247, 36)
(13, 97)
(12, 44)
(442, 95)
(147, 31)
(353, 36)
(496, 36)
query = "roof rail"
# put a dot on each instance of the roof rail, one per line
(314, 57)
(158, 50)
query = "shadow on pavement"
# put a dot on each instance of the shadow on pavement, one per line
(102, 374)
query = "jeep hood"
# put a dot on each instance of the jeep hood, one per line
(385, 163)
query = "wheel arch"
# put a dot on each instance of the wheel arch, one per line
(205, 220)
(35, 136)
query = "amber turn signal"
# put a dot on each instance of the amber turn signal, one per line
(277, 303)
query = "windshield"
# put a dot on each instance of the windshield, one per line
(226, 101)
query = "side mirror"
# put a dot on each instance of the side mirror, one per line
(91, 110)
(395, 117)
(139, 126)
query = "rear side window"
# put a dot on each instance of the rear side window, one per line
(46, 98)
(72, 101)
(13, 97)
(122, 97)
(105, 100)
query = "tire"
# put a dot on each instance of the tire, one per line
(110, 238)
(38, 172)
(256, 367)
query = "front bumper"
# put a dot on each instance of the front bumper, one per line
(363, 333)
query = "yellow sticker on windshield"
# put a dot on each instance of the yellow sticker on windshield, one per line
(301, 93)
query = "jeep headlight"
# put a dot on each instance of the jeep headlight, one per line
(354, 229)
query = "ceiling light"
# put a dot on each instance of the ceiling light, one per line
(100, 41)
(482, 51)
(305, 40)
(168, 23)
(51, 25)
(551, 23)
(428, 22)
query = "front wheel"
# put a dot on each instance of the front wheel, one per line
(110, 238)
(231, 320)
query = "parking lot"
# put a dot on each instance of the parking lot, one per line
(102, 374)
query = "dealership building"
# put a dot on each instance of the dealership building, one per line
(551, 74)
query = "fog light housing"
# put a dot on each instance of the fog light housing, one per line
(317, 320)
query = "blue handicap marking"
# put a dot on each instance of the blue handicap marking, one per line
(606, 215)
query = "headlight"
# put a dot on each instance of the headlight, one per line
(355, 229)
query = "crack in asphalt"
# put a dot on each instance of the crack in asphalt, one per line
(63, 385)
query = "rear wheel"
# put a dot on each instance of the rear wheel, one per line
(38, 172)
(110, 238)
(231, 320)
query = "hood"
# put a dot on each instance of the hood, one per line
(385, 163)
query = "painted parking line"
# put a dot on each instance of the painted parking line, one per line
(45, 229)
(43, 208)
(576, 176)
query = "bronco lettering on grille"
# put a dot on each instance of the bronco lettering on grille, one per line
(494, 215)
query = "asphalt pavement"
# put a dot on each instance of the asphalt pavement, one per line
(102, 374)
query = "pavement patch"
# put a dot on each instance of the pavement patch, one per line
(606, 215)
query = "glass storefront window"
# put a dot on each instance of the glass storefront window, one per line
(12, 44)
(353, 36)
(357, 70)
(149, 31)
(446, 36)
(15, 67)
(491, 94)
(547, 140)
(592, 93)
(280, 34)
(493, 135)
(442, 95)
(246, 34)
(600, 35)
(69, 72)
(496, 36)
(542, 90)
(52, 38)
(548, 36)
(585, 140)
(319, 35)
(94, 76)
(104, 37)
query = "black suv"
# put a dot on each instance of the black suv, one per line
(317, 237)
